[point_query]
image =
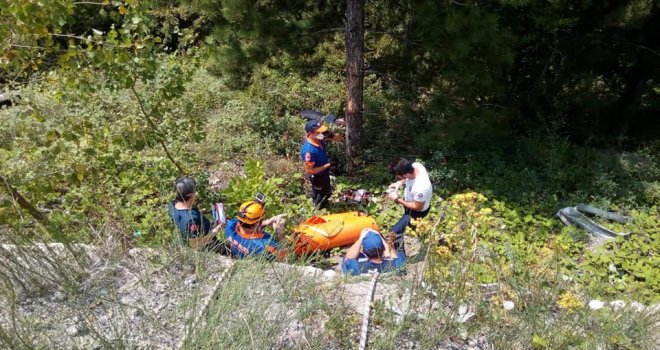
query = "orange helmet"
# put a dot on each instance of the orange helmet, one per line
(250, 212)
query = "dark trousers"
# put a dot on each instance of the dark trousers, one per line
(321, 189)
(404, 221)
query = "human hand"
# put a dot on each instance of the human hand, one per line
(392, 196)
(274, 220)
(216, 229)
(390, 239)
(394, 186)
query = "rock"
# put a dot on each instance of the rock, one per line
(617, 304)
(71, 331)
(596, 304)
(329, 274)
(58, 296)
(637, 306)
(464, 314)
(412, 246)
(191, 280)
(653, 309)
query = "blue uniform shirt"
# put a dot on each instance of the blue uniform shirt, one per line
(242, 246)
(363, 265)
(191, 222)
(316, 155)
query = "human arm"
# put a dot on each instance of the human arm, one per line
(277, 222)
(394, 186)
(349, 264)
(310, 169)
(354, 251)
(392, 194)
(201, 241)
(413, 205)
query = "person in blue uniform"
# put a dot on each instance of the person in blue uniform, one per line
(194, 229)
(371, 253)
(246, 236)
(315, 161)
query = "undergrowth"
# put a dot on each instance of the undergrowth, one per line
(492, 235)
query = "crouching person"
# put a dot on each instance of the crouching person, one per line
(245, 232)
(195, 230)
(371, 253)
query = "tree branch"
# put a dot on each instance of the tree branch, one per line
(24, 203)
(155, 128)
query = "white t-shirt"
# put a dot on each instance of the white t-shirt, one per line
(419, 189)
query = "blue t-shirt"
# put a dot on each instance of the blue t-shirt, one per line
(242, 246)
(191, 222)
(314, 154)
(363, 265)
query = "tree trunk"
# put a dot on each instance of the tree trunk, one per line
(354, 81)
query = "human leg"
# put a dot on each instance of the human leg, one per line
(395, 237)
(321, 190)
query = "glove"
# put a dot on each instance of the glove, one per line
(394, 186)
(392, 196)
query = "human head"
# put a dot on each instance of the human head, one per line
(185, 188)
(315, 127)
(401, 168)
(372, 244)
(250, 213)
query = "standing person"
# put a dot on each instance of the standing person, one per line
(371, 252)
(245, 232)
(194, 228)
(416, 202)
(315, 161)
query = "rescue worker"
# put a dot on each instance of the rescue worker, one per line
(315, 161)
(416, 202)
(194, 228)
(372, 253)
(245, 232)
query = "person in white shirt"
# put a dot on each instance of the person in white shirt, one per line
(416, 201)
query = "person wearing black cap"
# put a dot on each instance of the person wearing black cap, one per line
(315, 161)
(371, 253)
(194, 228)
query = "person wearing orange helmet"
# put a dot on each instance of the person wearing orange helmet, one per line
(245, 232)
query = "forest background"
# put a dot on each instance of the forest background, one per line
(517, 108)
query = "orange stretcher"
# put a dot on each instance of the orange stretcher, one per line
(329, 231)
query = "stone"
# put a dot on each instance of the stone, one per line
(617, 304)
(637, 306)
(329, 274)
(596, 304)
(71, 331)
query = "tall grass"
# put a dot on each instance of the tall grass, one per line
(56, 296)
